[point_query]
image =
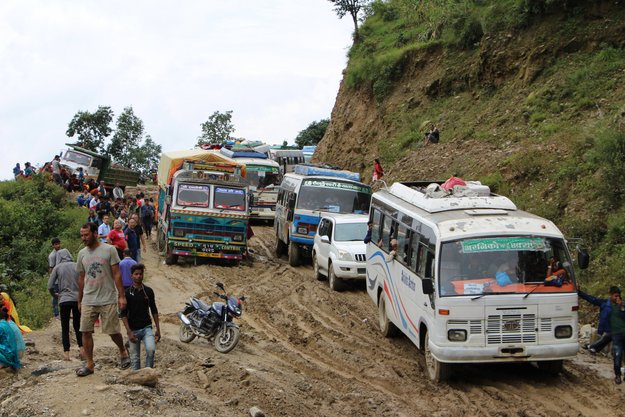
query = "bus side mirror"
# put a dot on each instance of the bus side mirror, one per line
(427, 286)
(583, 258)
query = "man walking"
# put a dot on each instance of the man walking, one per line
(136, 318)
(63, 285)
(605, 310)
(104, 229)
(100, 294)
(53, 260)
(118, 193)
(125, 267)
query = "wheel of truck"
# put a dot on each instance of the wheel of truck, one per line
(293, 254)
(280, 246)
(437, 371)
(550, 367)
(387, 328)
(315, 262)
(171, 259)
(160, 241)
(335, 283)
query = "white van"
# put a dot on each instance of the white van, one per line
(339, 250)
(471, 281)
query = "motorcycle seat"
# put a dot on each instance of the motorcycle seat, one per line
(200, 305)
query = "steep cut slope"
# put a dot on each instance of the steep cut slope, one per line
(536, 111)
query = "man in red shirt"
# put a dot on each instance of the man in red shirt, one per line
(116, 238)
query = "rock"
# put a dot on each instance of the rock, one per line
(256, 412)
(145, 376)
(46, 369)
(29, 342)
(85, 412)
(585, 331)
(101, 388)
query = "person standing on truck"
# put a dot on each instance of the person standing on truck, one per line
(118, 192)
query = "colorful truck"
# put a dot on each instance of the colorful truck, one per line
(203, 207)
(99, 167)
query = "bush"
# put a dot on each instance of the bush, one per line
(608, 156)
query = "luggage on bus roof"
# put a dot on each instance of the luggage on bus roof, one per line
(326, 170)
(242, 153)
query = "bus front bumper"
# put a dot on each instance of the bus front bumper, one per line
(503, 353)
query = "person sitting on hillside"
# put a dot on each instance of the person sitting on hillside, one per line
(28, 170)
(432, 136)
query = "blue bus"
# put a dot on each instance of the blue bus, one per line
(307, 194)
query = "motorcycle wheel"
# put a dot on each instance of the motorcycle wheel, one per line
(226, 339)
(185, 334)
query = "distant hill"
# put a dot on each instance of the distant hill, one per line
(529, 96)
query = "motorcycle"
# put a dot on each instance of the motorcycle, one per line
(212, 321)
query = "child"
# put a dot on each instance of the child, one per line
(136, 318)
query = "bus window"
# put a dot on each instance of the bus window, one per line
(375, 232)
(389, 231)
(403, 241)
(414, 253)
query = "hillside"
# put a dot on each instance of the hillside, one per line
(529, 99)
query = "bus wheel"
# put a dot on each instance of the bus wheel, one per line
(318, 275)
(280, 247)
(387, 328)
(171, 259)
(333, 280)
(437, 371)
(550, 367)
(293, 254)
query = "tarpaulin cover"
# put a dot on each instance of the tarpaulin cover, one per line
(172, 162)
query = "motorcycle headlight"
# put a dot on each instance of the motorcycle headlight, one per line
(344, 255)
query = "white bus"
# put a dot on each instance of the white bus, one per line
(287, 158)
(473, 279)
(263, 178)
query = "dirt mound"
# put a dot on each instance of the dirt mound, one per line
(304, 350)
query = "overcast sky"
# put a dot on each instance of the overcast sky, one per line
(275, 63)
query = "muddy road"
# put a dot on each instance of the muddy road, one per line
(304, 351)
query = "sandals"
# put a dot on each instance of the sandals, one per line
(84, 371)
(124, 362)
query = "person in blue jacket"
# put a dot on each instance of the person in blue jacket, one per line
(612, 323)
(605, 308)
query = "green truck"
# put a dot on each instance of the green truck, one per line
(99, 167)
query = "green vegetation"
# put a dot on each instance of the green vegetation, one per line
(395, 29)
(32, 212)
(532, 81)
(312, 134)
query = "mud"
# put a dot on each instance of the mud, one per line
(305, 350)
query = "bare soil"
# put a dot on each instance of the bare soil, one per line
(304, 350)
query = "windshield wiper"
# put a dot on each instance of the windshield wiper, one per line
(492, 293)
(533, 289)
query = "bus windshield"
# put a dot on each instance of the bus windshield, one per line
(230, 198)
(505, 264)
(258, 178)
(193, 195)
(334, 196)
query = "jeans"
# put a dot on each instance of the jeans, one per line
(147, 336)
(617, 351)
(602, 342)
(67, 308)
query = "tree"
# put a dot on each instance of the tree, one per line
(127, 138)
(217, 129)
(312, 134)
(92, 129)
(145, 158)
(351, 7)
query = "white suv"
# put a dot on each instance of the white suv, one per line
(339, 251)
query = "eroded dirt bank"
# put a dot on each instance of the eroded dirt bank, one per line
(305, 350)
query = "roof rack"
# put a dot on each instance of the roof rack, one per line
(431, 197)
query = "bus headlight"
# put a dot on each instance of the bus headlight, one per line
(344, 255)
(563, 332)
(237, 238)
(302, 230)
(179, 232)
(457, 335)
